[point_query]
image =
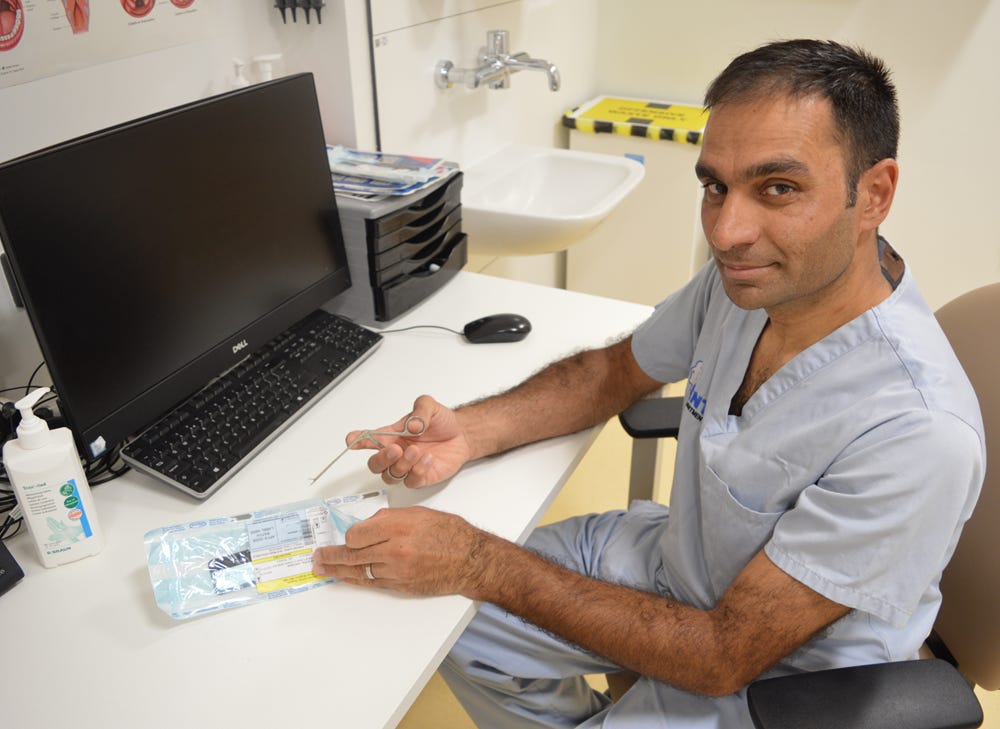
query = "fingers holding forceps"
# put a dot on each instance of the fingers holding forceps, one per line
(413, 426)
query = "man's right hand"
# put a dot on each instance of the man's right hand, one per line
(436, 454)
(576, 392)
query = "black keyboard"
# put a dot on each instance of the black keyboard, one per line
(199, 445)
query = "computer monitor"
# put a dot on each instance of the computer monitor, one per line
(154, 255)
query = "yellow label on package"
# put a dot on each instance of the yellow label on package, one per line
(659, 114)
(281, 547)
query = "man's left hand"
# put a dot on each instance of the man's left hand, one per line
(415, 550)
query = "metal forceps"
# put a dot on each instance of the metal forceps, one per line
(413, 426)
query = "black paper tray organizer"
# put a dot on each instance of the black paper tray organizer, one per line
(400, 250)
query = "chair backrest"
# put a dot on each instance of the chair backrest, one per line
(969, 621)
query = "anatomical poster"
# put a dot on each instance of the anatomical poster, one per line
(41, 38)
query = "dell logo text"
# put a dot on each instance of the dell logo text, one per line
(240, 345)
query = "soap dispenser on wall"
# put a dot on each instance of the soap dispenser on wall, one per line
(265, 65)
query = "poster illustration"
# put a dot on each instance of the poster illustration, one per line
(40, 38)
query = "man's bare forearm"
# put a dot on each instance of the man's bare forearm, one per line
(762, 618)
(568, 395)
(764, 614)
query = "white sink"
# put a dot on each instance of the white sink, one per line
(526, 200)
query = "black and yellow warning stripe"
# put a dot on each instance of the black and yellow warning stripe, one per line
(632, 129)
(638, 118)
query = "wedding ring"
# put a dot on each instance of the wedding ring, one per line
(368, 571)
(393, 476)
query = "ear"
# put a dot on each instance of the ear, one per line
(876, 189)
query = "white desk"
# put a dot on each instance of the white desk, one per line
(85, 643)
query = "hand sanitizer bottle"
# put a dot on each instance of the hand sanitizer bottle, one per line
(51, 488)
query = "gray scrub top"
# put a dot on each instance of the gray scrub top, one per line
(854, 466)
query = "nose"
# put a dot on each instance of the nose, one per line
(729, 224)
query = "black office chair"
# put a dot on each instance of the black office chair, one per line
(928, 693)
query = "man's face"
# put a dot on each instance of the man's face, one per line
(774, 207)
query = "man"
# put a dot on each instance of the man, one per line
(830, 450)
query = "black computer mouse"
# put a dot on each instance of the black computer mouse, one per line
(497, 328)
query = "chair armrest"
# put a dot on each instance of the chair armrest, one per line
(658, 417)
(919, 694)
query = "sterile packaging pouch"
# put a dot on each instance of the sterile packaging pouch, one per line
(227, 562)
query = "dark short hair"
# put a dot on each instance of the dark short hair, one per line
(858, 85)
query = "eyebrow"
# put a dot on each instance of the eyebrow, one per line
(779, 166)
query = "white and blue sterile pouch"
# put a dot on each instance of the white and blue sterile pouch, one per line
(231, 561)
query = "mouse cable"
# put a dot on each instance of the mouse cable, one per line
(12, 524)
(27, 388)
(405, 329)
(7, 499)
(101, 471)
(105, 468)
(420, 326)
(108, 467)
(9, 413)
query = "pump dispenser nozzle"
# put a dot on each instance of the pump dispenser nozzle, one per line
(265, 65)
(239, 80)
(33, 432)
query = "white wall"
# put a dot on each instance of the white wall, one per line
(57, 108)
(464, 124)
(945, 63)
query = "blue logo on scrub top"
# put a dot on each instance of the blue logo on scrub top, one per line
(693, 400)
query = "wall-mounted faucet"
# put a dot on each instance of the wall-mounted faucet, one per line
(496, 65)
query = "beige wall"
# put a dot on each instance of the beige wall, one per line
(945, 62)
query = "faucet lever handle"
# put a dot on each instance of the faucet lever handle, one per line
(496, 42)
